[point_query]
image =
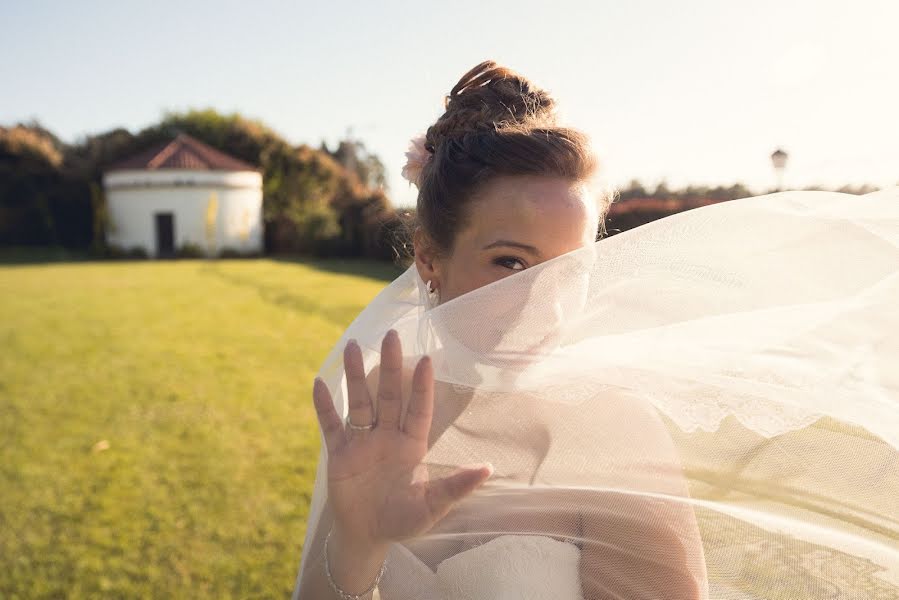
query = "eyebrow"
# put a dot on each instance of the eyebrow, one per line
(510, 243)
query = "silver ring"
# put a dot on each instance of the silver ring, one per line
(349, 424)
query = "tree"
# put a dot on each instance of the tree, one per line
(355, 158)
(30, 177)
(634, 189)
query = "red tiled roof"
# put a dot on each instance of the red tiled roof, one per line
(183, 152)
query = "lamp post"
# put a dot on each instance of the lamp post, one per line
(779, 160)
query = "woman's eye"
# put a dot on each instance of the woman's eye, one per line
(510, 262)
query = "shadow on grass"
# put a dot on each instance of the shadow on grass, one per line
(379, 270)
(338, 313)
(28, 255)
(374, 269)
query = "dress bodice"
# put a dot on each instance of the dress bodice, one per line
(519, 567)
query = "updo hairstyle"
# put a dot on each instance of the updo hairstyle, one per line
(496, 123)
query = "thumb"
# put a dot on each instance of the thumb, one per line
(441, 494)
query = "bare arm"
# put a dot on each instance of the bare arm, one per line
(353, 568)
(642, 542)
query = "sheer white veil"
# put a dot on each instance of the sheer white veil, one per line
(709, 402)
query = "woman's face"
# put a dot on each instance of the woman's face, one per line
(513, 223)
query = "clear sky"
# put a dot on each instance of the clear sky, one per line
(686, 91)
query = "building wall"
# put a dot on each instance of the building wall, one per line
(134, 197)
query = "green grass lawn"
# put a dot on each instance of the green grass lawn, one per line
(197, 376)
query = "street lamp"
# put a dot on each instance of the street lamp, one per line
(779, 160)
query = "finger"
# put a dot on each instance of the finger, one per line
(390, 393)
(441, 494)
(328, 419)
(421, 407)
(358, 398)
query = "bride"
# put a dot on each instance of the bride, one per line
(630, 418)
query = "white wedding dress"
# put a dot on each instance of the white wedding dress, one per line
(509, 567)
(708, 405)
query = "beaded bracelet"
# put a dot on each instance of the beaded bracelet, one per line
(346, 595)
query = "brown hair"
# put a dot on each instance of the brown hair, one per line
(496, 123)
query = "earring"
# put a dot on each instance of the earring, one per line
(432, 297)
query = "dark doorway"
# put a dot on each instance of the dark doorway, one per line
(165, 235)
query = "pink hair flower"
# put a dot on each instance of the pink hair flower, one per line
(417, 156)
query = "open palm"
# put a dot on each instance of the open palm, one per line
(378, 487)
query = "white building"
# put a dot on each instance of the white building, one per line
(184, 193)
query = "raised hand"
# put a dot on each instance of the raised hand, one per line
(378, 487)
